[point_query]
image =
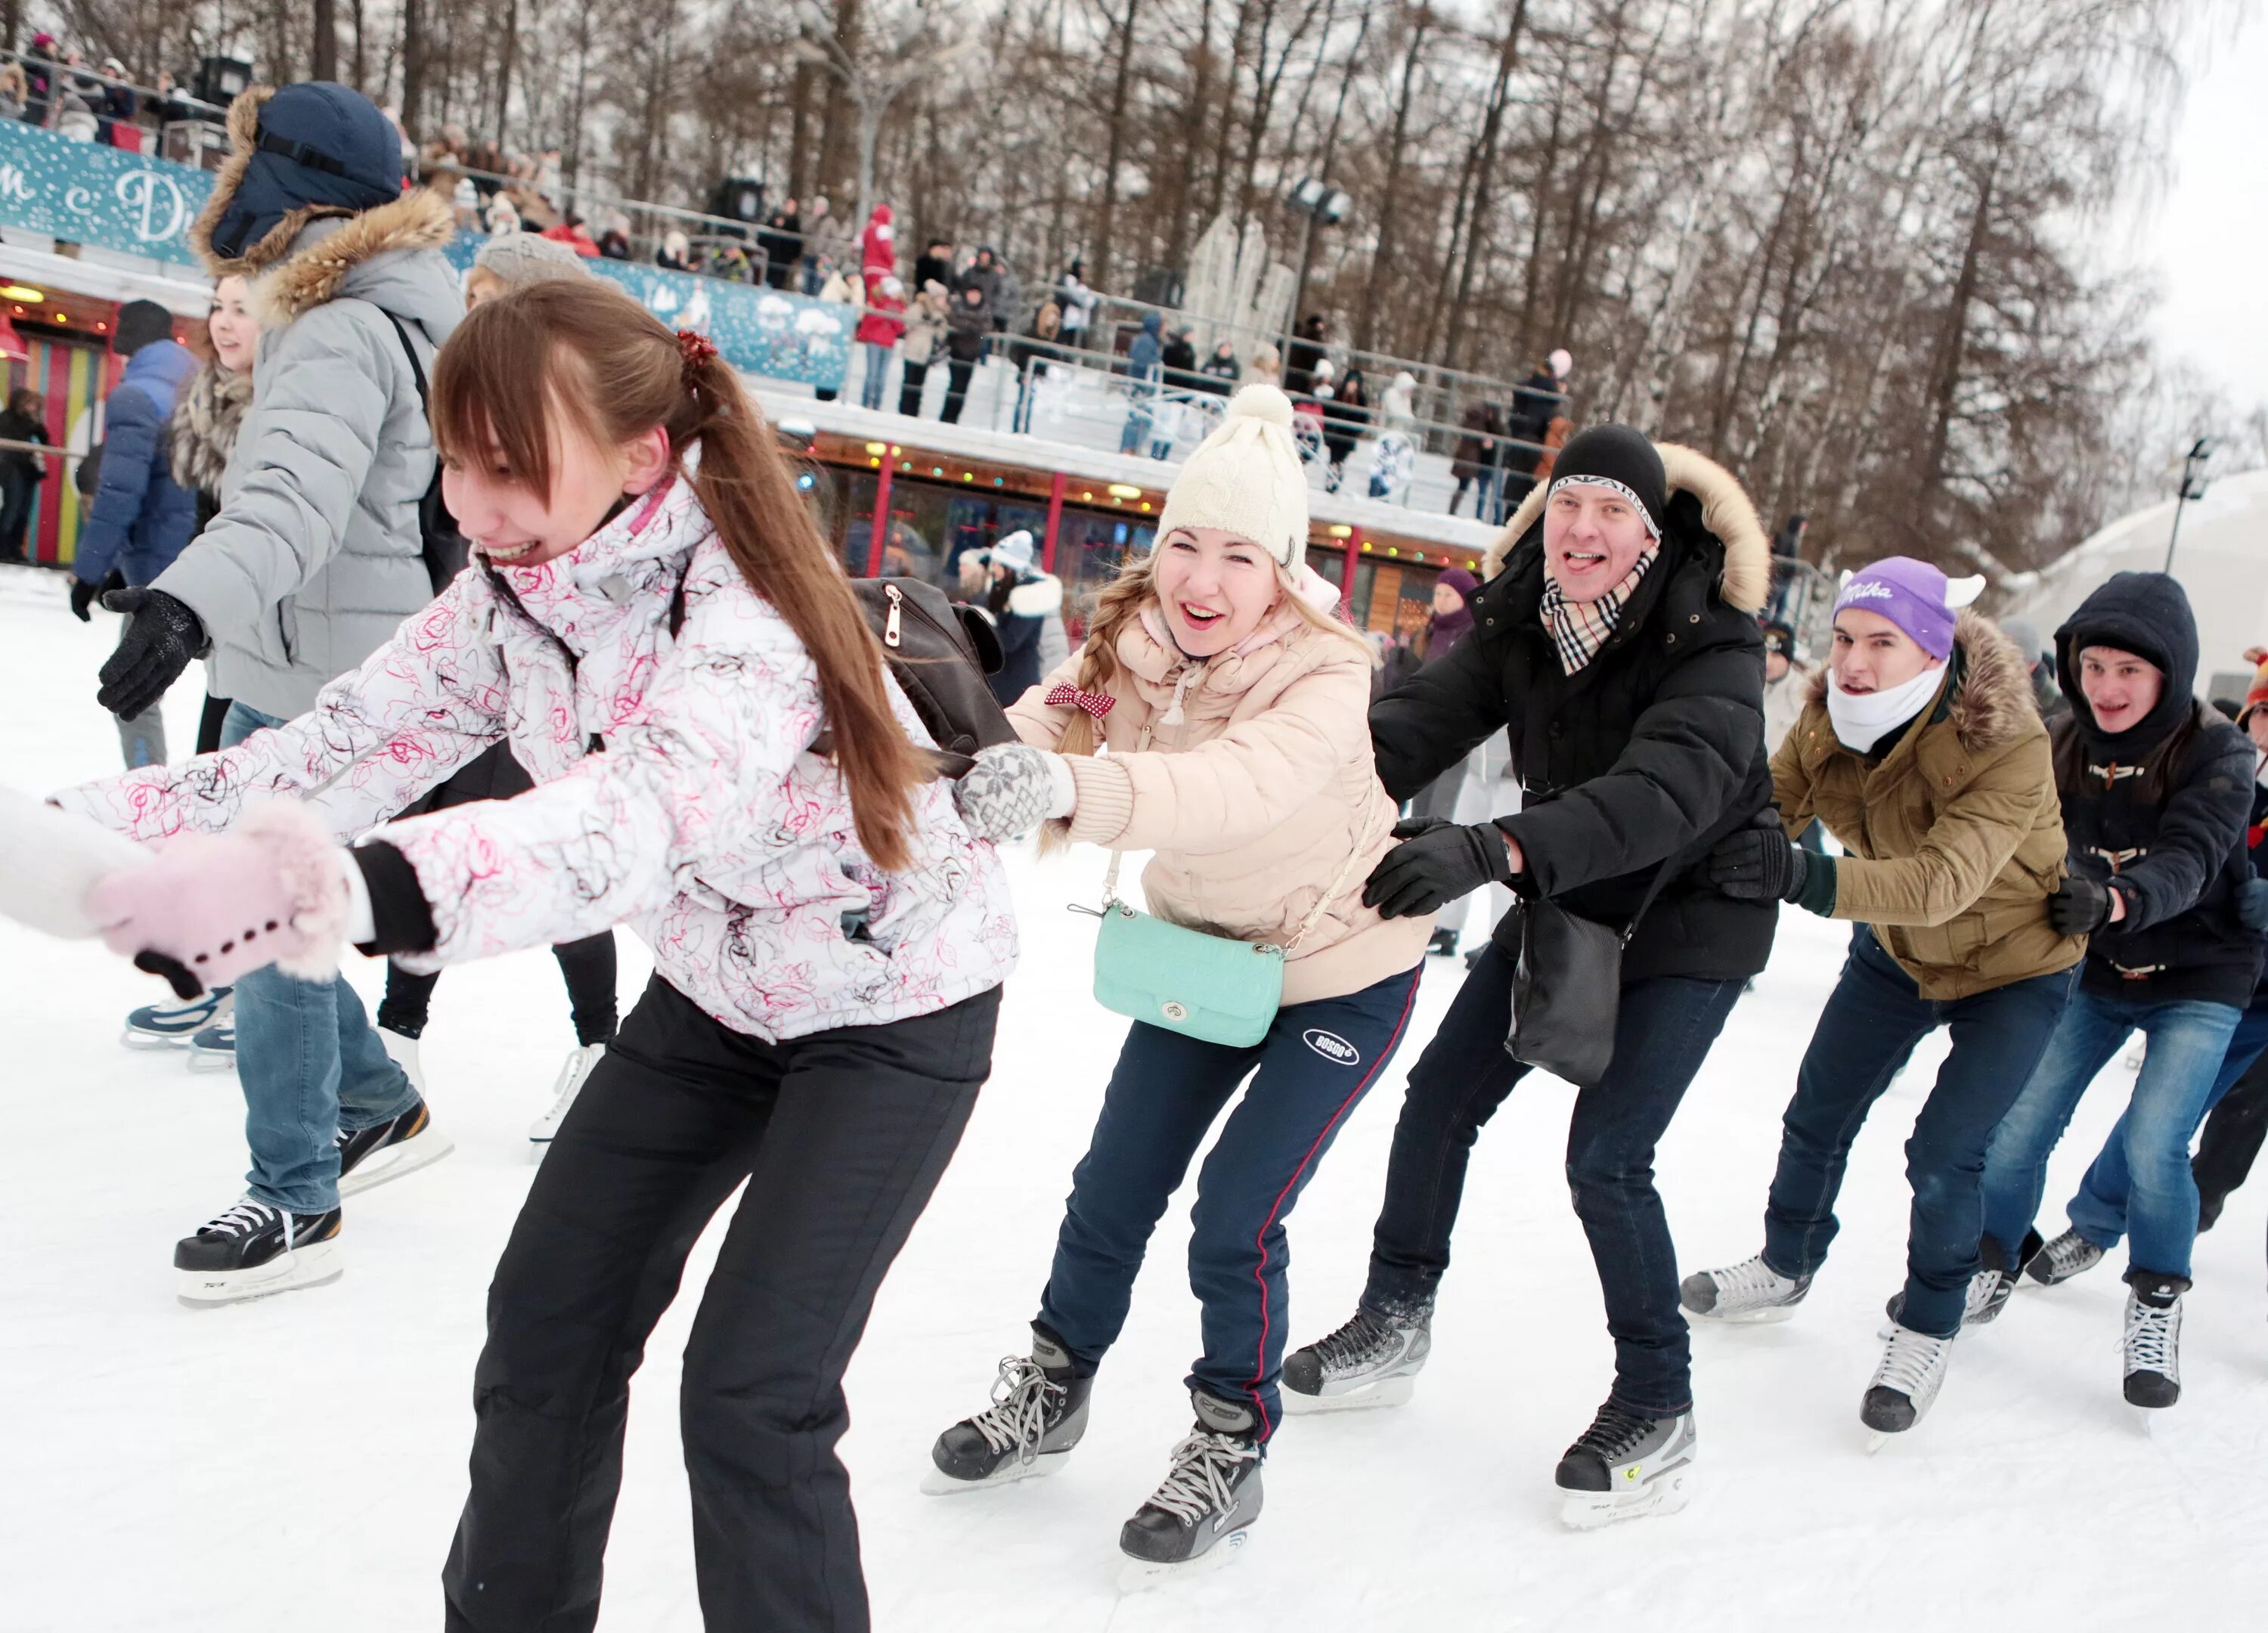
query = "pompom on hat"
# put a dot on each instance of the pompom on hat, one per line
(1247, 478)
(1913, 595)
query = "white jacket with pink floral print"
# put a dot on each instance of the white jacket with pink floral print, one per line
(676, 788)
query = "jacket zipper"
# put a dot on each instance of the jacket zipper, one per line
(890, 625)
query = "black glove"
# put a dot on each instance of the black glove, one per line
(83, 594)
(1754, 862)
(2252, 905)
(1442, 861)
(2079, 906)
(162, 636)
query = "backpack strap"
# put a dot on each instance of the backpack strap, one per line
(408, 350)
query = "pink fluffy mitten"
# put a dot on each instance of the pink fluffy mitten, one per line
(207, 908)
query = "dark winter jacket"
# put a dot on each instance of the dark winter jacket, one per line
(966, 327)
(15, 427)
(2161, 809)
(1953, 839)
(1641, 759)
(141, 518)
(1475, 450)
(1180, 361)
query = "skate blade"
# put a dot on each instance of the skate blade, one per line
(1385, 1392)
(211, 1060)
(1139, 1576)
(421, 1151)
(937, 1482)
(317, 1265)
(134, 1040)
(1765, 1317)
(1588, 1511)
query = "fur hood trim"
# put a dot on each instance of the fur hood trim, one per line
(1995, 705)
(419, 219)
(1726, 511)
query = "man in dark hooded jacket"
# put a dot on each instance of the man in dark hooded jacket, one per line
(2156, 791)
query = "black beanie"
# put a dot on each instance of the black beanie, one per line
(140, 322)
(1622, 457)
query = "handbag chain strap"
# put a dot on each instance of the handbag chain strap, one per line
(1314, 914)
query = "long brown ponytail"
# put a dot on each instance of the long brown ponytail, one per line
(585, 349)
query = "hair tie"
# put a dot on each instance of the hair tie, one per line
(694, 351)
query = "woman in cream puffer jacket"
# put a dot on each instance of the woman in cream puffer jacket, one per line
(1217, 717)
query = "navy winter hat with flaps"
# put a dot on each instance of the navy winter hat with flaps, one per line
(314, 145)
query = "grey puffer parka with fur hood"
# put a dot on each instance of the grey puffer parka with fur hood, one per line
(315, 555)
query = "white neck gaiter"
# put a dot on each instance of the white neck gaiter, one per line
(1861, 721)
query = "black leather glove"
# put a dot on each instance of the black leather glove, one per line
(2079, 906)
(162, 637)
(1755, 863)
(1443, 861)
(83, 594)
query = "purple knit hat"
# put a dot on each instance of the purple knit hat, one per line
(1458, 579)
(1912, 595)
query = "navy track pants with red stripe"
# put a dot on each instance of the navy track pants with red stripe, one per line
(1317, 1062)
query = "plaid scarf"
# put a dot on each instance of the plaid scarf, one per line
(1579, 628)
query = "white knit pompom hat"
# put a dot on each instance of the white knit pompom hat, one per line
(1247, 478)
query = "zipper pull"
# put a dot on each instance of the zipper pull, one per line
(890, 624)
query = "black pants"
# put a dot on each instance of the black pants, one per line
(208, 723)
(909, 389)
(841, 1137)
(2232, 1139)
(588, 964)
(956, 388)
(1663, 1032)
(18, 484)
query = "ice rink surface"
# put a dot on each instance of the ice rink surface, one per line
(299, 1461)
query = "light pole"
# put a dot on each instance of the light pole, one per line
(1319, 204)
(872, 90)
(2192, 488)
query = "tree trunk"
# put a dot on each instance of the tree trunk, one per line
(1507, 58)
(1195, 112)
(1365, 320)
(1106, 220)
(1944, 382)
(799, 157)
(413, 66)
(324, 62)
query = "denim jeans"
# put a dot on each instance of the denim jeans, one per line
(2187, 1042)
(1872, 1021)
(1308, 1074)
(1135, 431)
(310, 1064)
(1662, 1033)
(878, 373)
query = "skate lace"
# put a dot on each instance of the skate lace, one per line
(1615, 1434)
(1359, 1340)
(2150, 1343)
(1751, 1278)
(243, 1219)
(1205, 1464)
(1018, 1417)
(2068, 1253)
(1909, 1360)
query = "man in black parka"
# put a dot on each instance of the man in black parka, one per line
(1617, 642)
(2157, 790)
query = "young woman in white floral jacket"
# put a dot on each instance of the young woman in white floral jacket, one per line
(662, 646)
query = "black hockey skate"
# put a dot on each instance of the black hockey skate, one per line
(2154, 1338)
(1037, 1416)
(252, 1250)
(2068, 1255)
(1988, 1291)
(1625, 1467)
(1199, 1519)
(387, 1151)
(1374, 1360)
(1750, 1291)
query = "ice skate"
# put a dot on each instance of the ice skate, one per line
(401, 1049)
(1987, 1295)
(252, 1250)
(1037, 1416)
(172, 1025)
(1749, 1291)
(1374, 1360)
(1625, 1467)
(564, 1091)
(1200, 1518)
(2066, 1256)
(213, 1049)
(1911, 1371)
(2153, 1339)
(387, 1151)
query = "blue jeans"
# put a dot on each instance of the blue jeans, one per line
(2098, 1211)
(1872, 1021)
(878, 373)
(2187, 1042)
(1163, 1099)
(310, 1064)
(1663, 1031)
(1135, 431)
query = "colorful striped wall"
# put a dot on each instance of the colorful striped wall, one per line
(75, 377)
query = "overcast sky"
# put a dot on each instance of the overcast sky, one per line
(2211, 244)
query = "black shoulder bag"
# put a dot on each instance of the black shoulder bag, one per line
(1567, 986)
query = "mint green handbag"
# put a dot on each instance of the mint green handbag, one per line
(1211, 987)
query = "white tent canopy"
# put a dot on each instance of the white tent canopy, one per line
(2222, 561)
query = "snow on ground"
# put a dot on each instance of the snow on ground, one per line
(299, 1461)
